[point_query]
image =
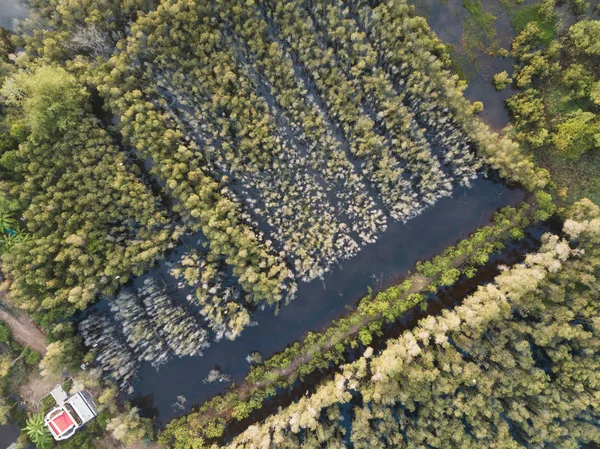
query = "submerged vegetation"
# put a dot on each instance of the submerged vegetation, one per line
(266, 142)
(555, 112)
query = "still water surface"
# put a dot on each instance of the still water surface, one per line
(11, 10)
(319, 302)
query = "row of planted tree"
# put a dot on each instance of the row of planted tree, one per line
(321, 351)
(287, 133)
(494, 371)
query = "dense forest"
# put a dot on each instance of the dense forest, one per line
(250, 148)
(515, 365)
(555, 111)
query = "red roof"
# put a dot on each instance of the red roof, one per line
(61, 423)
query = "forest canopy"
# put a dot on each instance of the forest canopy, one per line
(513, 366)
(242, 148)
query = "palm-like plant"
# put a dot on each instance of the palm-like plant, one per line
(38, 432)
(6, 220)
(10, 239)
(20, 236)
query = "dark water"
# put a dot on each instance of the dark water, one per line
(318, 302)
(447, 19)
(446, 298)
(8, 435)
(9, 11)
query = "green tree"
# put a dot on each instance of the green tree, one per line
(501, 80)
(50, 97)
(37, 432)
(4, 332)
(577, 134)
(129, 427)
(595, 93)
(62, 356)
(585, 37)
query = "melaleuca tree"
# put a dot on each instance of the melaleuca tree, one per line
(90, 218)
(515, 365)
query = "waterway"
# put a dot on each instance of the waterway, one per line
(8, 435)
(318, 302)
(11, 10)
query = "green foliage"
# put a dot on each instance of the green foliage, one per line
(38, 433)
(585, 37)
(545, 22)
(578, 80)
(477, 107)
(595, 93)
(4, 332)
(78, 188)
(546, 207)
(63, 356)
(365, 337)
(32, 358)
(51, 99)
(48, 403)
(501, 80)
(10, 232)
(10, 160)
(578, 133)
(555, 116)
(7, 221)
(129, 427)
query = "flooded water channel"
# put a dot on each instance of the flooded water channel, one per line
(376, 266)
(318, 302)
(449, 19)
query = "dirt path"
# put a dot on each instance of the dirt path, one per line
(24, 330)
(34, 389)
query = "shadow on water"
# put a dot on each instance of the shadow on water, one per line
(446, 298)
(319, 302)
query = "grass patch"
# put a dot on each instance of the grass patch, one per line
(66, 386)
(48, 403)
(581, 178)
(522, 15)
(465, 66)
(558, 104)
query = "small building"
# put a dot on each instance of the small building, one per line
(70, 413)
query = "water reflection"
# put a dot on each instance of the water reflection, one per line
(11, 10)
(318, 302)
